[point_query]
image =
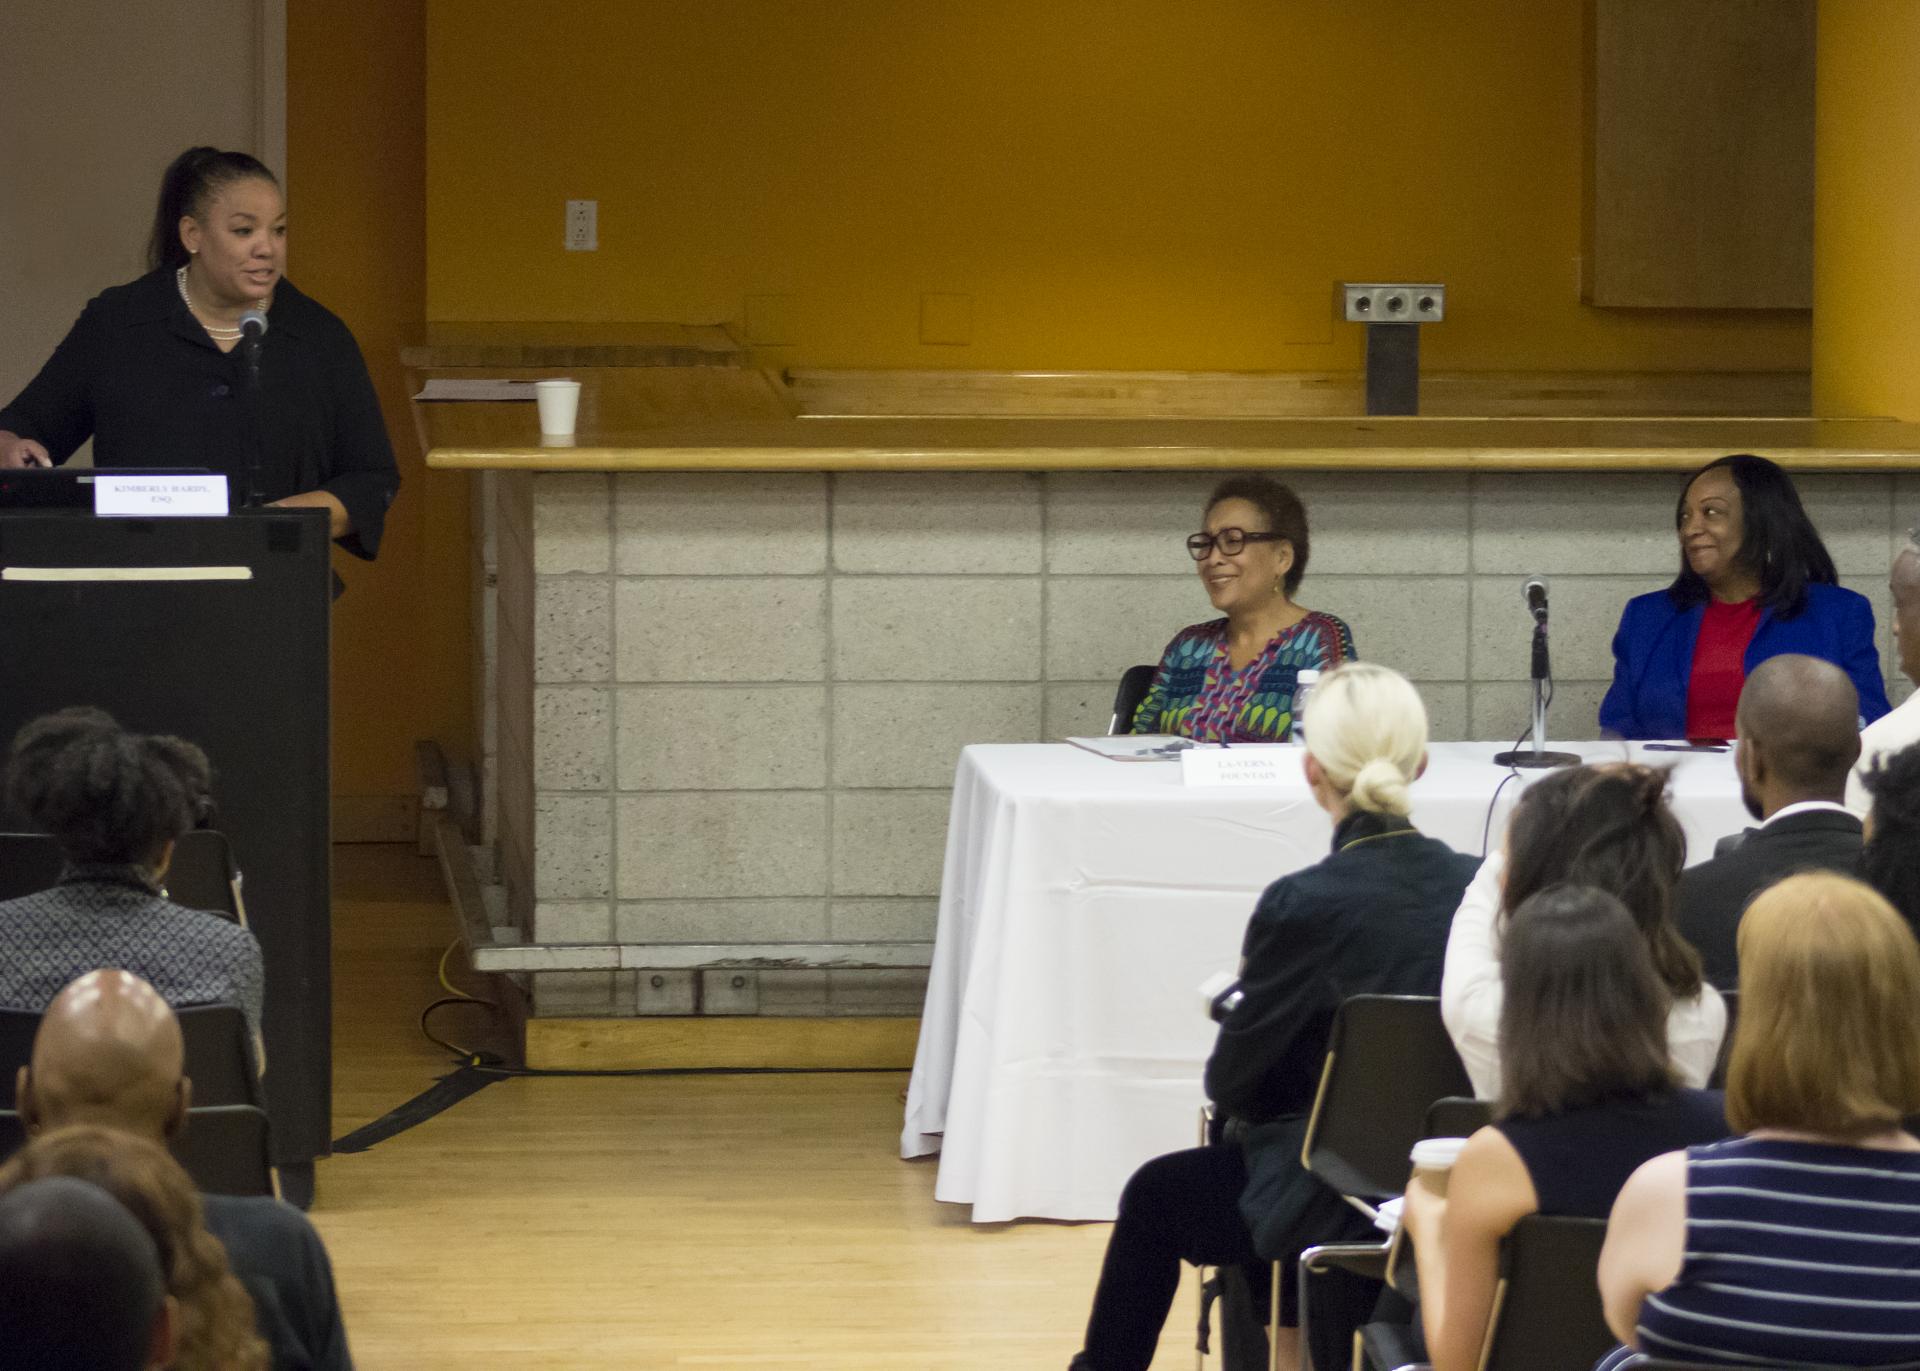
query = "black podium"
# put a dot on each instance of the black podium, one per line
(217, 630)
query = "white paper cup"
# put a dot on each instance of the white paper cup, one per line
(1433, 1158)
(559, 403)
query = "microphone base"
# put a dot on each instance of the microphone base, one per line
(1531, 761)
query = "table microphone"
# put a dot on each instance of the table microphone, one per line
(253, 329)
(1536, 593)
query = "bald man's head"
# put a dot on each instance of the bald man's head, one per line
(108, 1052)
(1799, 724)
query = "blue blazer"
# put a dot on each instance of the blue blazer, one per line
(1653, 656)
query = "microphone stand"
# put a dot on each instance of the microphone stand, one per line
(1542, 673)
(251, 497)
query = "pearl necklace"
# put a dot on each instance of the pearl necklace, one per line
(223, 334)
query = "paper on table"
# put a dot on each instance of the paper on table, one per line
(1136, 747)
(451, 388)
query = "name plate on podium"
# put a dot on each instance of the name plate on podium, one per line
(151, 496)
(1251, 764)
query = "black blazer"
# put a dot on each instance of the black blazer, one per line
(1713, 895)
(141, 378)
(1370, 919)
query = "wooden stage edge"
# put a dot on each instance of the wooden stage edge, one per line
(727, 1043)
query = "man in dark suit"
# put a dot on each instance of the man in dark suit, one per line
(1797, 728)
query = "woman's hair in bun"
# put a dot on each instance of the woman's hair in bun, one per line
(1367, 728)
(106, 795)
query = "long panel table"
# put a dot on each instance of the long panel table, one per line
(1083, 902)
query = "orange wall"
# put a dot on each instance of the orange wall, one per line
(356, 161)
(1867, 209)
(1118, 184)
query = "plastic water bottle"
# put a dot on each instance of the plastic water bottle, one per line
(1302, 688)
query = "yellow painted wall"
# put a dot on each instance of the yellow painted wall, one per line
(1866, 273)
(1123, 184)
(356, 242)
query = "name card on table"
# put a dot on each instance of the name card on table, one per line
(155, 496)
(1253, 764)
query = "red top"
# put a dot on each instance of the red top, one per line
(1720, 667)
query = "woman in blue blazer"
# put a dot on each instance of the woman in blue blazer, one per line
(1755, 581)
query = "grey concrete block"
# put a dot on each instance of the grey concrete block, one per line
(573, 847)
(1416, 625)
(1078, 709)
(1570, 523)
(1098, 626)
(1586, 612)
(1501, 710)
(665, 992)
(721, 921)
(573, 921)
(936, 628)
(1855, 515)
(1446, 702)
(722, 737)
(936, 523)
(572, 738)
(877, 991)
(889, 842)
(883, 921)
(683, 629)
(911, 735)
(720, 524)
(572, 629)
(793, 993)
(575, 994)
(1135, 523)
(572, 522)
(722, 845)
(729, 992)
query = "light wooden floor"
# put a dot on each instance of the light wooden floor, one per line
(718, 1221)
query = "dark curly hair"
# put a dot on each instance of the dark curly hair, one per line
(1778, 542)
(189, 182)
(1286, 516)
(1891, 862)
(106, 795)
(1608, 827)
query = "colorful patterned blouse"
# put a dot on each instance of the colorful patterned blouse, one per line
(1196, 693)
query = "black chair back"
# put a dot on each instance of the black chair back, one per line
(17, 1029)
(1134, 683)
(13, 1134)
(1458, 1117)
(1388, 1060)
(1718, 1080)
(225, 1150)
(29, 863)
(1546, 1313)
(201, 875)
(220, 1058)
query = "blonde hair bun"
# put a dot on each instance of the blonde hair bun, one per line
(1367, 728)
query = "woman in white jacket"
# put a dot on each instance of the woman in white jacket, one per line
(1603, 826)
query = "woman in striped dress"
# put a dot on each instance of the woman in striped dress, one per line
(1798, 1243)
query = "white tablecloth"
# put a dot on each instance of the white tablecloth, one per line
(1084, 901)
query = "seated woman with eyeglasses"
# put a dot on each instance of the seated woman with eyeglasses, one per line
(1232, 679)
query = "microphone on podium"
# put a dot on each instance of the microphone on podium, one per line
(253, 329)
(1536, 592)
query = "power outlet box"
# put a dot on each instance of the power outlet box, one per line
(583, 225)
(1380, 302)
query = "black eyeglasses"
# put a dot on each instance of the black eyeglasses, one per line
(1231, 541)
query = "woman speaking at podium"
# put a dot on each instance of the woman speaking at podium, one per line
(214, 360)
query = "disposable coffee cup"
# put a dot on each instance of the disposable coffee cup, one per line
(559, 403)
(1433, 1159)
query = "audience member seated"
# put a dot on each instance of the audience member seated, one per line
(214, 1330)
(1232, 679)
(109, 1053)
(1799, 1242)
(1369, 918)
(1755, 581)
(1608, 827)
(1797, 728)
(1587, 1094)
(1900, 729)
(1891, 861)
(80, 1283)
(116, 802)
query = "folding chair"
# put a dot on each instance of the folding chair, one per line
(220, 1058)
(1388, 1059)
(1718, 1080)
(29, 863)
(203, 875)
(1135, 681)
(225, 1150)
(17, 1030)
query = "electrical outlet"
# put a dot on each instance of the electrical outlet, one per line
(583, 225)
(1384, 303)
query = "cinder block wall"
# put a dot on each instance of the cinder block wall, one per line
(750, 690)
